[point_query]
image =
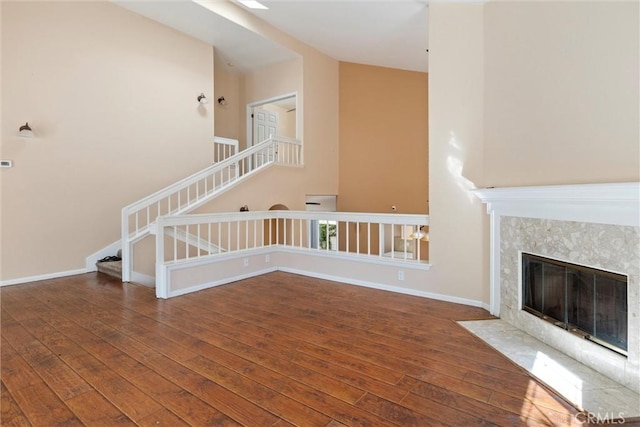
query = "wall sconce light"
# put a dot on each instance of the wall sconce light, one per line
(202, 99)
(222, 101)
(25, 131)
(419, 234)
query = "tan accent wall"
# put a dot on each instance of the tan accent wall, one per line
(562, 92)
(383, 140)
(111, 97)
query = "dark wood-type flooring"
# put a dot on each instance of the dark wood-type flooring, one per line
(275, 350)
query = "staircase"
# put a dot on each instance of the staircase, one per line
(111, 265)
(138, 219)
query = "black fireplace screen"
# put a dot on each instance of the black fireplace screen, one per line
(589, 302)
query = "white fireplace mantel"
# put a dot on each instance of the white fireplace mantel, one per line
(616, 203)
(609, 203)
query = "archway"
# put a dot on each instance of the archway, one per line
(274, 229)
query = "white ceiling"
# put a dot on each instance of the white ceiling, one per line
(387, 33)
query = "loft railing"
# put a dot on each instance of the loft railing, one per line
(379, 237)
(184, 196)
(223, 148)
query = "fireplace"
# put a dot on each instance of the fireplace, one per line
(592, 226)
(585, 301)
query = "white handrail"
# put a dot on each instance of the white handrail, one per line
(200, 188)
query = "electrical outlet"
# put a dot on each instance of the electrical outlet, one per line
(245, 262)
(400, 275)
(267, 258)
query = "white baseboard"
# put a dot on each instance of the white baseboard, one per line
(43, 277)
(147, 280)
(406, 291)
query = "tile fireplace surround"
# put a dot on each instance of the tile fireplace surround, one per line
(596, 225)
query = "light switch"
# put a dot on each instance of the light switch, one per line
(6, 163)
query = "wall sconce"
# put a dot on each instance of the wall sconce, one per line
(25, 131)
(202, 99)
(420, 235)
(222, 101)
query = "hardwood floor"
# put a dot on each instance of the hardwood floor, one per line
(275, 350)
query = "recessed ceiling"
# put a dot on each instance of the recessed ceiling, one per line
(386, 33)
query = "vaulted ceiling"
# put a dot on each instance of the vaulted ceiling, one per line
(387, 33)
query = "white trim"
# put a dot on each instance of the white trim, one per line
(494, 267)
(408, 263)
(275, 249)
(616, 203)
(373, 285)
(43, 277)
(397, 219)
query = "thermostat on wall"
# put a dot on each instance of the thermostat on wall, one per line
(6, 163)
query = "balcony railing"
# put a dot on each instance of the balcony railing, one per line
(382, 238)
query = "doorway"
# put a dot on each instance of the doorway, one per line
(274, 116)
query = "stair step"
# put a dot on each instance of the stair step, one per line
(112, 268)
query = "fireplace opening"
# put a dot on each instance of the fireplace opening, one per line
(588, 302)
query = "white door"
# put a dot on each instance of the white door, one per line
(265, 124)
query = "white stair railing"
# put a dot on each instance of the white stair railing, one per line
(194, 191)
(223, 148)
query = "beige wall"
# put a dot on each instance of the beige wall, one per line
(241, 88)
(458, 244)
(383, 140)
(111, 97)
(512, 84)
(318, 102)
(270, 82)
(229, 118)
(561, 92)
(315, 77)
